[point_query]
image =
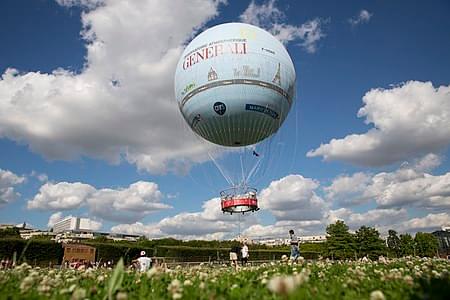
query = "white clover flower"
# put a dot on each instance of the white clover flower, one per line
(409, 280)
(177, 296)
(377, 295)
(78, 294)
(26, 284)
(121, 296)
(187, 282)
(282, 285)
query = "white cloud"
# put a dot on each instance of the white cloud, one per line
(348, 190)
(409, 120)
(427, 223)
(8, 181)
(121, 105)
(408, 186)
(270, 17)
(83, 3)
(385, 219)
(363, 17)
(124, 204)
(61, 196)
(55, 218)
(280, 229)
(293, 198)
(138, 228)
(210, 223)
(42, 177)
(379, 218)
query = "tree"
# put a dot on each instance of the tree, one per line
(369, 243)
(340, 242)
(407, 245)
(393, 243)
(426, 244)
(12, 232)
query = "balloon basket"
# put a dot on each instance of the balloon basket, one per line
(239, 200)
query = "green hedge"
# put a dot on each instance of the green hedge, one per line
(42, 252)
(39, 252)
(114, 251)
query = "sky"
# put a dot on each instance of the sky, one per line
(89, 124)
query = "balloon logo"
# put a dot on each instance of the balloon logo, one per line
(220, 108)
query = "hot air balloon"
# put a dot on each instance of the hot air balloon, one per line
(235, 84)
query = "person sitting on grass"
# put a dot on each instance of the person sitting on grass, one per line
(144, 262)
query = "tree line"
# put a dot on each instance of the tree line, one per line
(366, 242)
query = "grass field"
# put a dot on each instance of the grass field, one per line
(406, 278)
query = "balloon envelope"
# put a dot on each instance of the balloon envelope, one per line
(235, 84)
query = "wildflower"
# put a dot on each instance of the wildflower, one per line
(234, 286)
(175, 288)
(121, 296)
(187, 282)
(409, 280)
(377, 295)
(202, 285)
(26, 284)
(152, 272)
(282, 285)
(284, 258)
(177, 296)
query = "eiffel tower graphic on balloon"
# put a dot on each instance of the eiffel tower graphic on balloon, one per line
(277, 78)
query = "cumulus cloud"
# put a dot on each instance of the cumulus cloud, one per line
(55, 218)
(409, 120)
(124, 204)
(42, 177)
(379, 218)
(121, 105)
(348, 190)
(61, 196)
(8, 181)
(293, 198)
(363, 17)
(409, 185)
(427, 223)
(270, 17)
(280, 229)
(210, 223)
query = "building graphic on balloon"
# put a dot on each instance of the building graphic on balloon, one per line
(243, 88)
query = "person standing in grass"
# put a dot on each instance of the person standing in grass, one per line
(234, 256)
(244, 254)
(295, 252)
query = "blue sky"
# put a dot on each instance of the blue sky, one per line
(72, 143)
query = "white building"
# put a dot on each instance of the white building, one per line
(74, 224)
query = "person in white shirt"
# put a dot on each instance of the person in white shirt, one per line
(144, 262)
(244, 254)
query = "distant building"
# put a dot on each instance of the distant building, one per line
(29, 233)
(443, 237)
(302, 239)
(73, 224)
(313, 239)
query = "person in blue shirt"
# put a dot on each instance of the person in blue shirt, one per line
(295, 251)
